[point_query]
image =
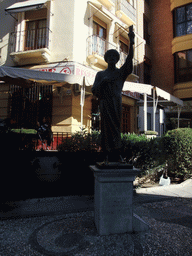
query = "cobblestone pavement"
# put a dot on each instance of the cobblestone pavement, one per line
(170, 233)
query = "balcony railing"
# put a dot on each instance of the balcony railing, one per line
(127, 8)
(32, 39)
(98, 45)
(123, 57)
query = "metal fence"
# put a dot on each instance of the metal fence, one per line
(57, 140)
(31, 39)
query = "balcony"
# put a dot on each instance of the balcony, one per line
(134, 76)
(96, 48)
(109, 4)
(30, 46)
(126, 12)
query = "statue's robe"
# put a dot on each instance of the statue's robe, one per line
(107, 88)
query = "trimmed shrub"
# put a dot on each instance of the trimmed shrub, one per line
(178, 151)
(81, 141)
(175, 148)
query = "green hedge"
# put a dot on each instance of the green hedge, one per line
(81, 141)
(175, 148)
(178, 151)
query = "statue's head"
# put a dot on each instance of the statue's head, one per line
(112, 56)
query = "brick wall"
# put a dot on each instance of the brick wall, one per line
(162, 36)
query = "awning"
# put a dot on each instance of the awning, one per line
(26, 6)
(166, 99)
(41, 76)
(15, 74)
(137, 87)
(159, 98)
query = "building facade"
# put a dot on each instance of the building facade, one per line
(71, 37)
(168, 34)
(67, 37)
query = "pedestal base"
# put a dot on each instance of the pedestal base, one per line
(113, 196)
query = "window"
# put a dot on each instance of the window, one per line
(132, 2)
(125, 119)
(148, 121)
(36, 34)
(124, 49)
(99, 37)
(148, 1)
(147, 73)
(183, 66)
(98, 30)
(146, 32)
(183, 20)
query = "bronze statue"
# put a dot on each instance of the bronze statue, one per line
(107, 88)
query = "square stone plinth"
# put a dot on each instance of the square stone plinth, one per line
(113, 194)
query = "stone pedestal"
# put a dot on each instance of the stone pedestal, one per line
(113, 197)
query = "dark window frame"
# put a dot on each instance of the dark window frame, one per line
(124, 47)
(147, 36)
(183, 74)
(147, 73)
(184, 22)
(36, 38)
(98, 28)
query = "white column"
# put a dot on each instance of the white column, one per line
(82, 101)
(145, 112)
(154, 109)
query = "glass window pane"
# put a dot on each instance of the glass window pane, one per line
(181, 31)
(189, 11)
(180, 15)
(189, 58)
(42, 24)
(189, 27)
(182, 60)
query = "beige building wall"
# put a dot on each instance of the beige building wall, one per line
(70, 25)
(62, 111)
(6, 27)
(62, 26)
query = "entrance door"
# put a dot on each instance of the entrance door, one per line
(126, 125)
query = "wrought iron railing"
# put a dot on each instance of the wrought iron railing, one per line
(98, 45)
(57, 140)
(123, 57)
(29, 39)
(127, 8)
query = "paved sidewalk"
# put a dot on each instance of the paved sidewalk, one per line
(181, 190)
(64, 226)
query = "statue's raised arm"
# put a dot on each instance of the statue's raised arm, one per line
(127, 68)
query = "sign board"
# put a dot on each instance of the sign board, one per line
(70, 68)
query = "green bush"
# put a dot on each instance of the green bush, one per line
(81, 141)
(178, 151)
(175, 148)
